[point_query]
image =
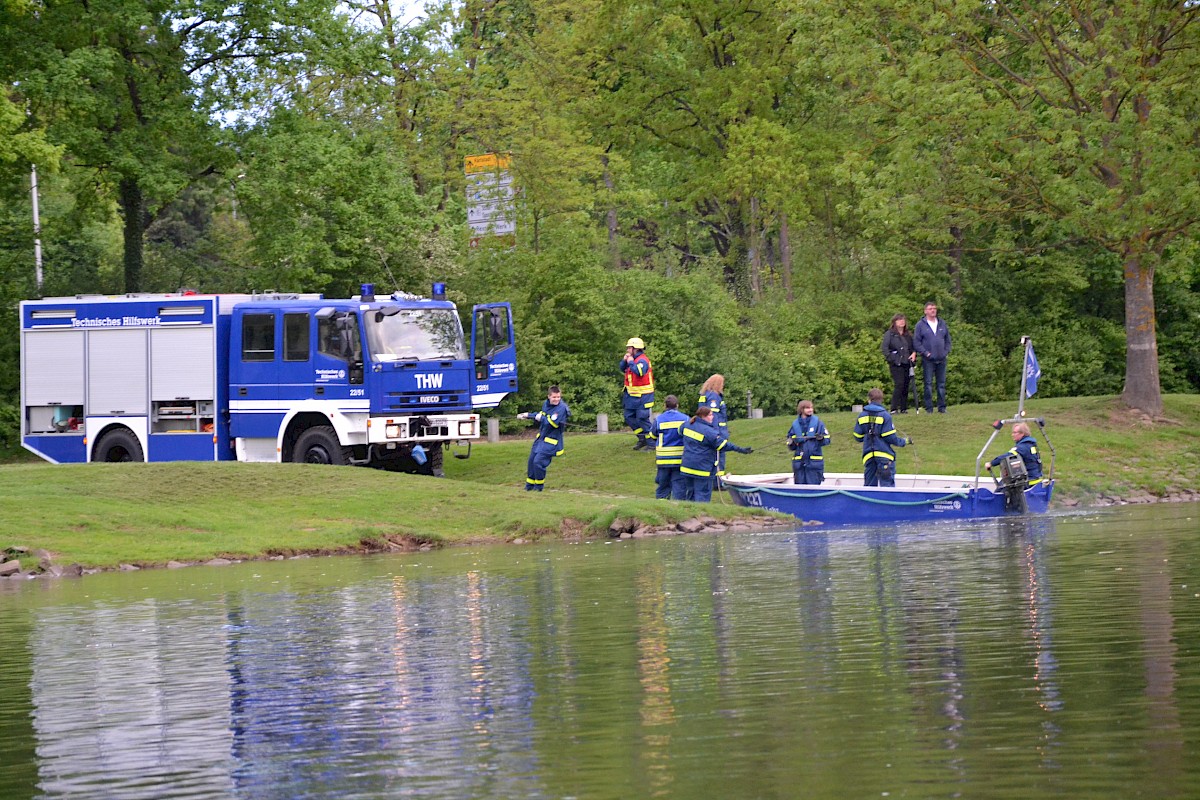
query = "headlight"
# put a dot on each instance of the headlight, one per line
(466, 428)
(395, 430)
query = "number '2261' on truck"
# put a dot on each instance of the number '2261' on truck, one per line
(388, 382)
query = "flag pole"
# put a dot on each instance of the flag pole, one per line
(1027, 343)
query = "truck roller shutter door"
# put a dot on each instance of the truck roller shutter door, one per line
(182, 363)
(117, 372)
(54, 368)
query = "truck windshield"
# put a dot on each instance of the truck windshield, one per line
(416, 335)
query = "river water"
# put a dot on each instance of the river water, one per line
(1010, 658)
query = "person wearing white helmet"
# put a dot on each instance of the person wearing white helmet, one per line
(637, 397)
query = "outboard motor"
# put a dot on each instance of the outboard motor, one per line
(1013, 481)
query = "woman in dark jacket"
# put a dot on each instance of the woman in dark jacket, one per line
(898, 350)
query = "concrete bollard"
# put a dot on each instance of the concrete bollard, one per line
(493, 430)
(757, 414)
(602, 423)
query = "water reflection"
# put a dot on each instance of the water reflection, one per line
(1008, 658)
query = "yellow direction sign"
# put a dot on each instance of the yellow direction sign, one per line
(488, 162)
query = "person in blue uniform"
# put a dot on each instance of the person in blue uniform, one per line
(668, 453)
(1025, 446)
(712, 394)
(637, 396)
(702, 440)
(550, 442)
(806, 439)
(877, 433)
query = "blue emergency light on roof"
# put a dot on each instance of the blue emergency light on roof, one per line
(439, 290)
(367, 292)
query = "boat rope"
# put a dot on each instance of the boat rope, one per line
(878, 501)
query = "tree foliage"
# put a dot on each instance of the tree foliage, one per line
(754, 187)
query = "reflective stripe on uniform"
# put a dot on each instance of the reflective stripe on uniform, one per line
(548, 440)
(691, 434)
(877, 454)
(697, 472)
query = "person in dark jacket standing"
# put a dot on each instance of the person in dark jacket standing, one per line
(878, 436)
(552, 421)
(702, 440)
(712, 394)
(1025, 446)
(900, 356)
(932, 341)
(637, 398)
(806, 439)
(668, 453)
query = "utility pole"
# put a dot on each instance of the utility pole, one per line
(37, 229)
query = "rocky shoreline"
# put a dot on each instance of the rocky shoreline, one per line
(12, 557)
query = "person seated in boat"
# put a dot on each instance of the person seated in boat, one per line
(806, 438)
(1025, 446)
(702, 441)
(877, 433)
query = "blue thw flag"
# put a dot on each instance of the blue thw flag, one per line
(1032, 372)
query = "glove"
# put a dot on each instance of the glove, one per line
(523, 415)
(746, 450)
(908, 440)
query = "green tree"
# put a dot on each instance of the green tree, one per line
(330, 206)
(131, 89)
(1079, 117)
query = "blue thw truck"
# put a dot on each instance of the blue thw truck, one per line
(389, 382)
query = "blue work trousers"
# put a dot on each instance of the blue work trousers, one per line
(638, 419)
(668, 483)
(879, 472)
(535, 473)
(809, 473)
(697, 488)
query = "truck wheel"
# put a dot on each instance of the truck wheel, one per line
(118, 446)
(320, 445)
(435, 460)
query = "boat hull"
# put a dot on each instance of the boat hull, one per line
(842, 499)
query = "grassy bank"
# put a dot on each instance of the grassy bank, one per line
(106, 514)
(1099, 449)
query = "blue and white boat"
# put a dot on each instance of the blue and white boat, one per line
(843, 499)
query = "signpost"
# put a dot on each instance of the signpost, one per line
(490, 210)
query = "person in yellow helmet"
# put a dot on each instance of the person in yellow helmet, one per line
(637, 397)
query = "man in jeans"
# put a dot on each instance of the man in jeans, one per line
(932, 340)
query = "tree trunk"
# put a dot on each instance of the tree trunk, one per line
(756, 243)
(1143, 390)
(835, 261)
(133, 211)
(956, 259)
(614, 244)
(785, 255)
